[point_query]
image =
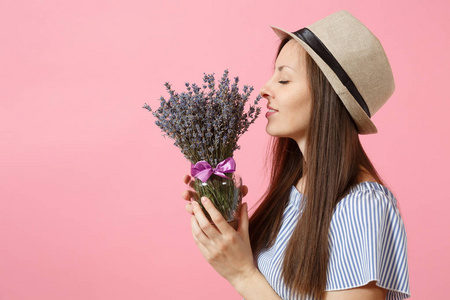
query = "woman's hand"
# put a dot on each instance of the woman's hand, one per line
(228, 251)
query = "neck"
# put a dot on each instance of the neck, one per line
(302, 146)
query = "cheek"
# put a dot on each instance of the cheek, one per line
(298, 118)
(300, 113)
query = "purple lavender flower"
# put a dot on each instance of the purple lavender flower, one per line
(206, 125)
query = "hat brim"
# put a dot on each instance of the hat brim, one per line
(363, 123)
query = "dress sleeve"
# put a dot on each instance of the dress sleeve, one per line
(367, 242)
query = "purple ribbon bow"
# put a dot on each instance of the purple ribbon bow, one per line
(203, 170)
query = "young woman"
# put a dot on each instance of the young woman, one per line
(327, 227)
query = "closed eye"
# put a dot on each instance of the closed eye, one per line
(283, 82)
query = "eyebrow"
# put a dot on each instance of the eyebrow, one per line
(281, 67)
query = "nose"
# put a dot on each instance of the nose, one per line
(263, 92)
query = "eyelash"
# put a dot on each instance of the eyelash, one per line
(283, 82)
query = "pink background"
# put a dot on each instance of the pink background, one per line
(90, 204)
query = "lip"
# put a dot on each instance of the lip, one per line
(269, 113)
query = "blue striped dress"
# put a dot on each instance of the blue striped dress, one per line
(367, 241)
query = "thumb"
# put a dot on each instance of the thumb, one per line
(243, 222)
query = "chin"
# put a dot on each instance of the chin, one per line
(275, 133)
(270, 132)
(291, 135)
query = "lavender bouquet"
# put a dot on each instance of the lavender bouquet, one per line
(206, 125)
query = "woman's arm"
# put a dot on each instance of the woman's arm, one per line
(228, 251)
(370, 291)
(255, 287)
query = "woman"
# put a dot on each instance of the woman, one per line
(328, 227)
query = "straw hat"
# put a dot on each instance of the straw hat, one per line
(354, 62)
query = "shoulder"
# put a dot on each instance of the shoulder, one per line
(367, 195)
(367, 240)
(369, 211)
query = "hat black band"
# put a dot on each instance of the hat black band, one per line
(316, 44)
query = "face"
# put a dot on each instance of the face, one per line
(288, 93)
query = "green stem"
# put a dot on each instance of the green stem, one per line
(222, 193)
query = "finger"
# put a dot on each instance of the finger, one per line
(243, 222)
(185, 195)
(188, 180)
(188, 208)
(200, 246)
(188, 195)
(203, 222)
(244, 190)
(199, 236)
(216, 216)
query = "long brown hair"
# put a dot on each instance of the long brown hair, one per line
(335, 155)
